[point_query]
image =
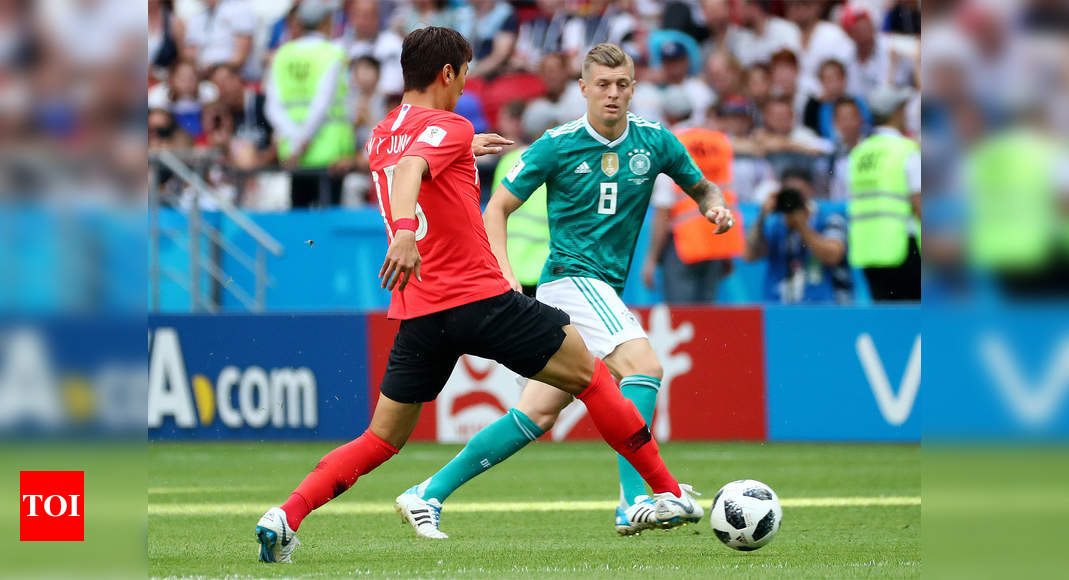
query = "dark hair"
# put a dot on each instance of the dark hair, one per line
(779, 101)
(832, 63)
(370, 60)
(515, 109)
(845, 101)
(797, 172)
(426, 50)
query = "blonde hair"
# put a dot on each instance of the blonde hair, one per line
(608, 55)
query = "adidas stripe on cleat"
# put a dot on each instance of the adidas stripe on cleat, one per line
(639, 516)
(423, 515)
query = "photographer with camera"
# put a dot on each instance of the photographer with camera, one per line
(804, 246)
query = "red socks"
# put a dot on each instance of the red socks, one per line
(623, 428)
(335, 473)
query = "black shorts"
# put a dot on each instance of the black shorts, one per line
(515, 330)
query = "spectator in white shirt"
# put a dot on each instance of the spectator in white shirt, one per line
(221, 34)
(821, 41)
(762, 34)
(367, 38)
(877, 63)
(781, 135)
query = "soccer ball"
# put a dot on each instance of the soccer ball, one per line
(745, 514)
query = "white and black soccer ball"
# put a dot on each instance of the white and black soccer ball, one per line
(746, 514)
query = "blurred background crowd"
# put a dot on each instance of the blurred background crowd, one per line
(791, 87)
(788, 82)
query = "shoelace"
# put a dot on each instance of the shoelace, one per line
(436, 514)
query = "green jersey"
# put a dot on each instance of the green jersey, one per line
(597, 192)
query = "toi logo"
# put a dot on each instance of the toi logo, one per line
(51, 506)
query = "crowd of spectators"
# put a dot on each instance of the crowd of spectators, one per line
(788, 82)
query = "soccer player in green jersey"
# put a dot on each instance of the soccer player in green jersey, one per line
(599, 172)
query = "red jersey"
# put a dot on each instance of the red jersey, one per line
(457, 265)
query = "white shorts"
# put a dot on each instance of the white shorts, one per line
(596, 311)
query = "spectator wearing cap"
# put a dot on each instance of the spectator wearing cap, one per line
(221, 34)
(878, 63)
(762, 34)
(675, 63)
(804, 247)
(821, 41)
(307, 104)
(658, 38)
(885, 202)
(819, 112)
(365, 36)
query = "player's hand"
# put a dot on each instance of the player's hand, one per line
(721, 216)
(402, 260)
(649, 268)
(513, 282)
(485, 143)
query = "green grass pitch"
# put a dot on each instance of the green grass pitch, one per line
(849, 511)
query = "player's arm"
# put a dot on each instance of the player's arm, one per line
(402, 257)
(495, 218)
(711, 203)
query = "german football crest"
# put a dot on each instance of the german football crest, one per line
(610, 164)
(639, 161)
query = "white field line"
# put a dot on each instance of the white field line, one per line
(255, 509)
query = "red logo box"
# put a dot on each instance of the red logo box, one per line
(51, 506)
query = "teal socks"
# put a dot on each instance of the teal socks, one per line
(493, 444)
(642, 391)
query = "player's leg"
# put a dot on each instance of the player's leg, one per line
(618, 422)
(336, 472)
(641, 372)
(419, 365)
(533, 415)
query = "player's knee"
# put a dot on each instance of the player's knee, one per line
(544, 420)
(646, 364)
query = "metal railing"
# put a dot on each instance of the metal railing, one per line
(198, 228)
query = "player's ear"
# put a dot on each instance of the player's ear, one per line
(448, 73)
(582, 86)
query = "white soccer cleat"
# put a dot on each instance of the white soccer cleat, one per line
(675, 511)
(276, 538)
(421, 514)
(639, 516)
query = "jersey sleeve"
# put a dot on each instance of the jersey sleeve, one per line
(680, 167)
(536, 164)
(441, 142)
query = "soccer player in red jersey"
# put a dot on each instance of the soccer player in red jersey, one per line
(452, 298)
